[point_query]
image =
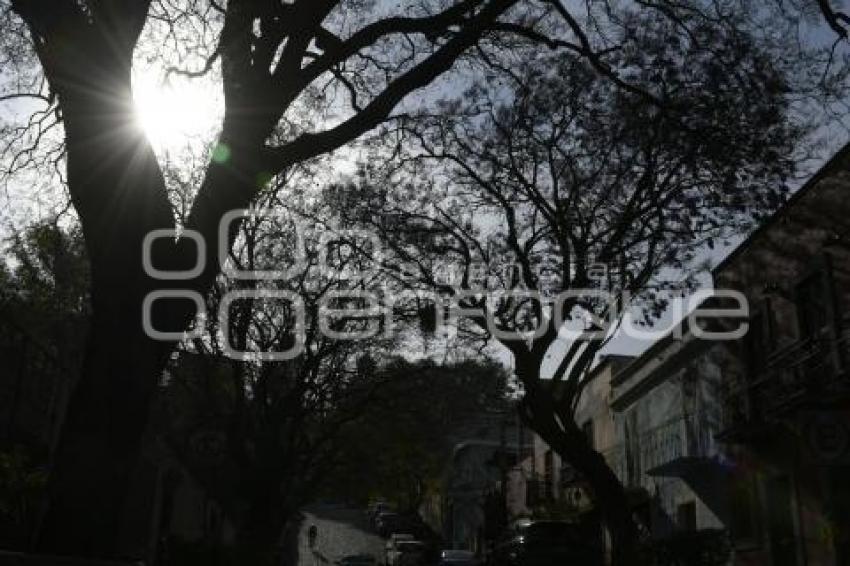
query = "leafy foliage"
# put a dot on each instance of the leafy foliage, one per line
(22, 484)
(402, 445)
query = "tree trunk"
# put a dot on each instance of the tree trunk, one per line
(119, 192)
(570, 443)
(99, 444)
(607, 491)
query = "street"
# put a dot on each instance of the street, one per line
(341, 531)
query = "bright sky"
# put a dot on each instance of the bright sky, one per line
(177, 112)
(181, 114)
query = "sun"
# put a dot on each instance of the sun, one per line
(175, 113)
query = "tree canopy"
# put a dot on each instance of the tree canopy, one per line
(698, 104)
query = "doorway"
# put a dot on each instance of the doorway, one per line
(781, 527)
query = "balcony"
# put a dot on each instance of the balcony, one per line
(676, 448)
(804, 369)
(793, 374)
(808, 373)
(679, 447)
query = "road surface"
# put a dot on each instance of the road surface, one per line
(342, 531)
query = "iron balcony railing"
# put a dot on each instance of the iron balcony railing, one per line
(792, 373)
(665, 449)
(809, 368)
(738, 411)
(686, 437)
(815, 368)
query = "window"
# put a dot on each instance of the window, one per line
(743, 510)
(780, 524)
(759, 339)
(686, 516)
(812, 304)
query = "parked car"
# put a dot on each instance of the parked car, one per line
(388, 522)
(457, 558)
(547, 543)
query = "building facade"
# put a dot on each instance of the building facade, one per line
(667, 411)
(748, 439)
(786, 416)
(477, 493)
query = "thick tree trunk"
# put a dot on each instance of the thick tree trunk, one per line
(566, 439)
(107, 415)
(608, 492)
(119, 192)
(100, 441)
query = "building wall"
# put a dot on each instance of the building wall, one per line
(487, 451)
(167, 505)
(770, 482)
(668, 401)
(797, 500)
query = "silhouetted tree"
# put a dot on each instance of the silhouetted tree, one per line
(43, 305)
(74, 59)
(265, 434)
(565, 193)
(270, 55)
(400, 448)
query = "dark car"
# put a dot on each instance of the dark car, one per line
(411, 524)
(410, 553)
(547, 543)
(388, 523)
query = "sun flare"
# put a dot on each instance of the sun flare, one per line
(177, 113)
